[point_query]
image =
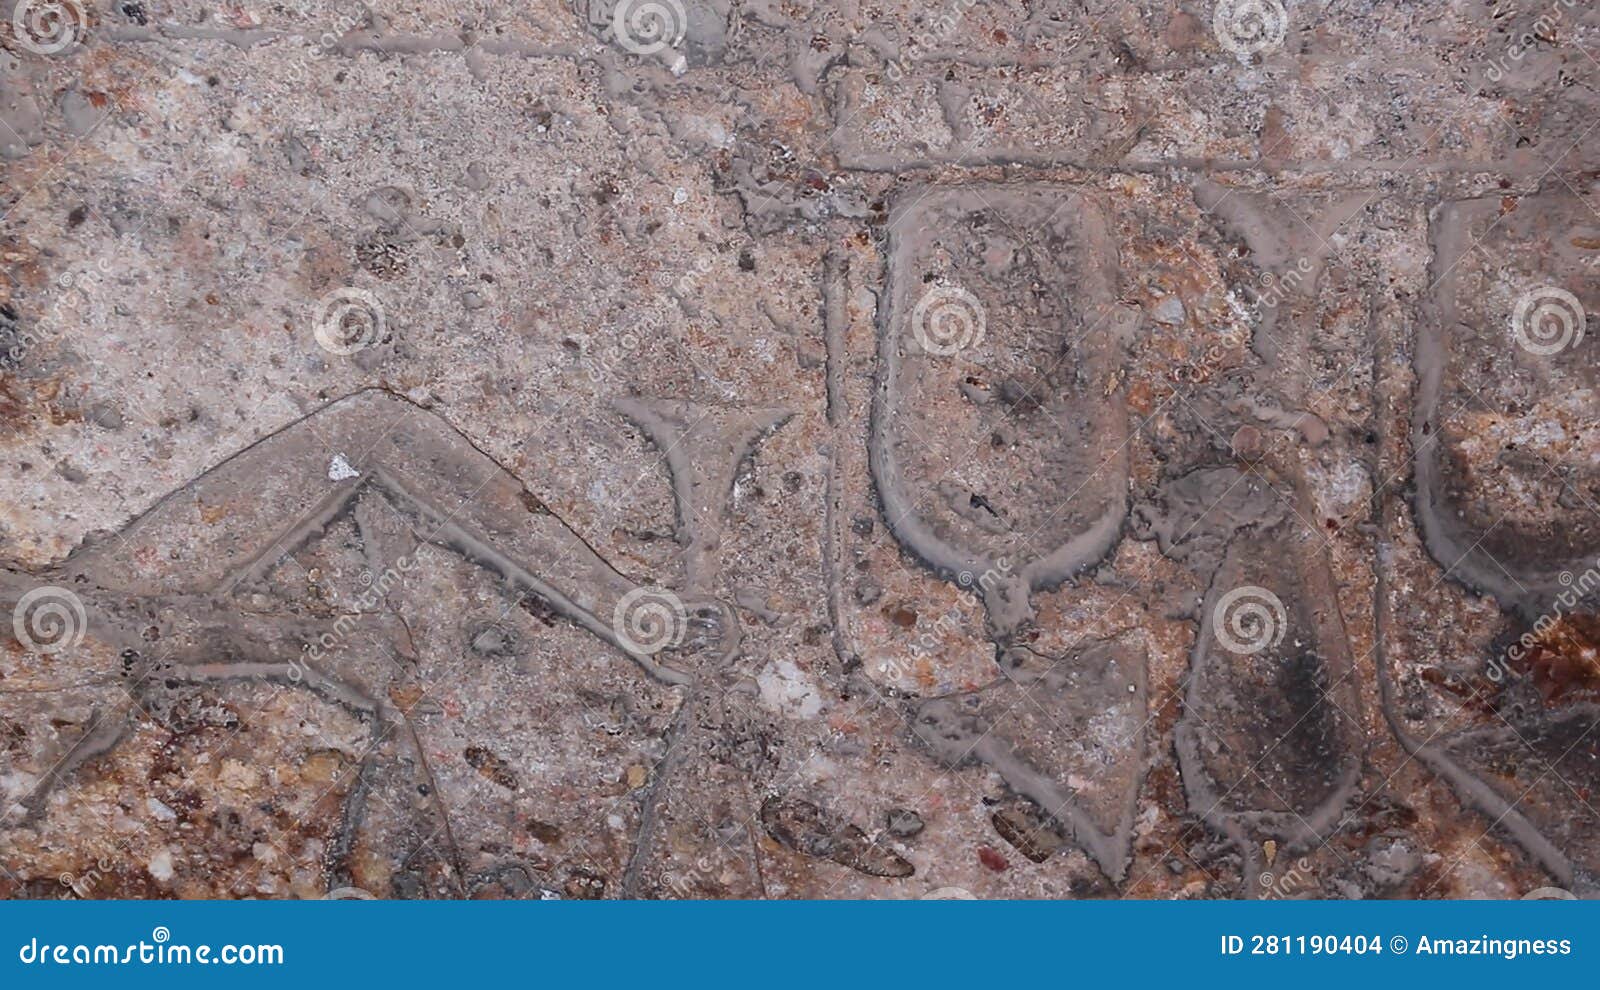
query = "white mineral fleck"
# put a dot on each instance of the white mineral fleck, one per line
(339, 469)
(160, 865)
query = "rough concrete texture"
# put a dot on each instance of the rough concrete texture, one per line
(720, 448)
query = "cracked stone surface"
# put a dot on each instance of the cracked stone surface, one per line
(725, 449)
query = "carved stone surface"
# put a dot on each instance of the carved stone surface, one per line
(692, 450)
